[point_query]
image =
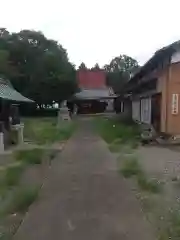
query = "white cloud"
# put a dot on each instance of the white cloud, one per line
(97, 30)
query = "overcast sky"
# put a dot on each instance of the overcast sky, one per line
(98, 30)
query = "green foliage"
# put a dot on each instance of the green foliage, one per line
(130, 167)
(119, 71)
(134, 144)
(96, 67)
(45, 131)
(37, 67)
(150, 185)
(22, 199)
(111, 130)
(172, 226)
(114, 147)
(12, 175)
(32, 156)
(82, 66)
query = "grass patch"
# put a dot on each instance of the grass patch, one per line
(134, 144)
(114, 147)
(130, 167)
(45, 131)
(12, 175)
(149, 185)
(22, 199)
(111, 129)
(33, 156)
(172, 229)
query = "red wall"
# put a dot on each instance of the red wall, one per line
(90, 79)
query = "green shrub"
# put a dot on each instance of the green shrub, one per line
(12, 175)
(130, 167)
(172, 228)
(150, 185)
(22, 199)
(33, 156)
(114, 147)
(134, 144)
(45, 130)
(111, 129)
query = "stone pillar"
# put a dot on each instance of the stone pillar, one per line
(63, 114)
(21, 134)
(1, 138)
(1, 142)
(19, 128)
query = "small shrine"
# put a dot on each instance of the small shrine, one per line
(11, 128)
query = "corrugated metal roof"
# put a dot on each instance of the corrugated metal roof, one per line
(9, 93)
(95, 94)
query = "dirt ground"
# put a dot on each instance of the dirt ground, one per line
(84, 197)
(160, 161)
(162, 164)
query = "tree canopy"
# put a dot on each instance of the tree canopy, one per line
(37, 67)
(119, 71)
(96, 67)
(82, 66)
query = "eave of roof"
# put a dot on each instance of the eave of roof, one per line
(9, 93)
(160, 55)
(93, 94)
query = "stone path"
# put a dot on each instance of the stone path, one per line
(84, 198)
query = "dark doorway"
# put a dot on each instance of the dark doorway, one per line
(156, 112)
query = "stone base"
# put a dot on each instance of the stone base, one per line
(63, 115)
(20, 132)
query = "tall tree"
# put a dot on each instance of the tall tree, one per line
(96, 67)
(119, 71)
(82, 66)
(37, 67)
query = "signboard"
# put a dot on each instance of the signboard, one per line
(175, 99)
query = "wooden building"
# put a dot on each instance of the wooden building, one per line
(155, 91)
(94, 95)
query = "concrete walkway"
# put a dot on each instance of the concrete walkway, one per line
(84, 198)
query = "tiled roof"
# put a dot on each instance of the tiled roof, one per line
(9, 93)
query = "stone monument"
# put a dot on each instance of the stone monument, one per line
(16, 124)
(63, 113)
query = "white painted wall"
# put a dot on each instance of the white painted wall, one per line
(175, 57)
